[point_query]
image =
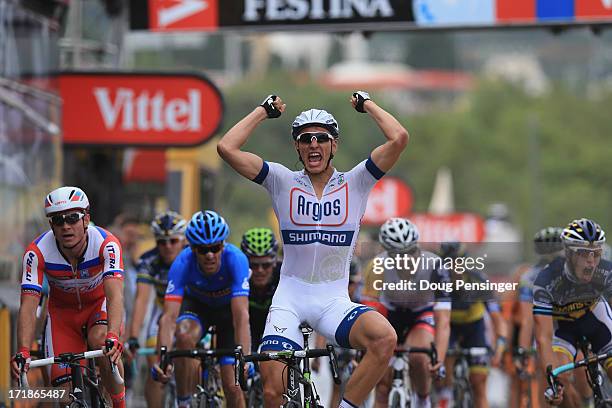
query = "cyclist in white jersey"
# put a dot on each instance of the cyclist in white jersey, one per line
(319, 210)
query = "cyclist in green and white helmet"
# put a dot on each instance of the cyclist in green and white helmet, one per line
(261, 247)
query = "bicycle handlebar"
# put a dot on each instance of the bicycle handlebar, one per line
(69, 358)
(283, 356)
(432, 352)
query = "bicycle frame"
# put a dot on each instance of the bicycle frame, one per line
(206, 388)
(462, 390)
(295, 375)
(591, 362)
(76, 373)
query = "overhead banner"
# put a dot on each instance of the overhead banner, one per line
(343, 15)
(139, 109)
(463, 227)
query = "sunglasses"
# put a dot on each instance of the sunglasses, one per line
(308, 137)
(203, 250)
(263, 265)
(70, 219)
(168, 241)
(585, 252)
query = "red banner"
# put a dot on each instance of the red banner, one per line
(464, 227)
(390, 197)
(134, 109)
(586, 9)
(173, 15)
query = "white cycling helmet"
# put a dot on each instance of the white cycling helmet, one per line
(66, 198)
(314, 117)
(398, 234)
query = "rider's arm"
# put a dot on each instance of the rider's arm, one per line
(240, 317)
(442, 318)
(32, 277)
(239, 264)
(27, 321)
(143, 295)
(247, 164)
(173, 299)
(113, 290)
(544, 335)
(385, 156)
(167, 323)
(525, 335)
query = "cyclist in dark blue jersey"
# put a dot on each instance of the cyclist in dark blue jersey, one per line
(208, 284)
(168, 227)
(570, 301)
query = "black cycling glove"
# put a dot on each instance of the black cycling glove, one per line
(361, 97)
(268, 105)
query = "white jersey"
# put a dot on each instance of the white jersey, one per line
(318, 235)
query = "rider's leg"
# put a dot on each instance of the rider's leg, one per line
(233, 393)
(188, 332)
(478, 381)
(372, 332)
(154, 390)
(445, 390)
(273, 385)
(382, 389)
(420, 377)
(95, 337)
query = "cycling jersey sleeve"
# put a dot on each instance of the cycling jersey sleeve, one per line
(525, 288)
(239, 265)
(143, 272)
(177, 276)
(110, 253)
(542, 300)
(269, 175)
(367, 174)
(32, 272)
(442, 298)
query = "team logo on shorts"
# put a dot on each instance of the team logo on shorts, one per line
(279, 329)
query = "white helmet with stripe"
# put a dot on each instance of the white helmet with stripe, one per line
(66, 198)
(314, 117)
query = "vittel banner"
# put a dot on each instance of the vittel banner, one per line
(139, 109)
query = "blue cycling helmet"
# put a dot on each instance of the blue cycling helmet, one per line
(206, 228)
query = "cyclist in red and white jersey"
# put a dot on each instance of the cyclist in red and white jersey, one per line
(83, 266)
(319, 211)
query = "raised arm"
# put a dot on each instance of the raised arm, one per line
(246, 163)
(385, 155)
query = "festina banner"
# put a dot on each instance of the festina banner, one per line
(139, 109)
(343, 15)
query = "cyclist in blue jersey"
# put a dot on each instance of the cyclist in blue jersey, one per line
(208, 284)
(168, 227)
(570, 301)
(319, 211)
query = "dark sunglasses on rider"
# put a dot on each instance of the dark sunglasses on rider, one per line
(166, 241)
(203, 250)
(264, 265)
(585, 252)
(70, 219)
(307, 137)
